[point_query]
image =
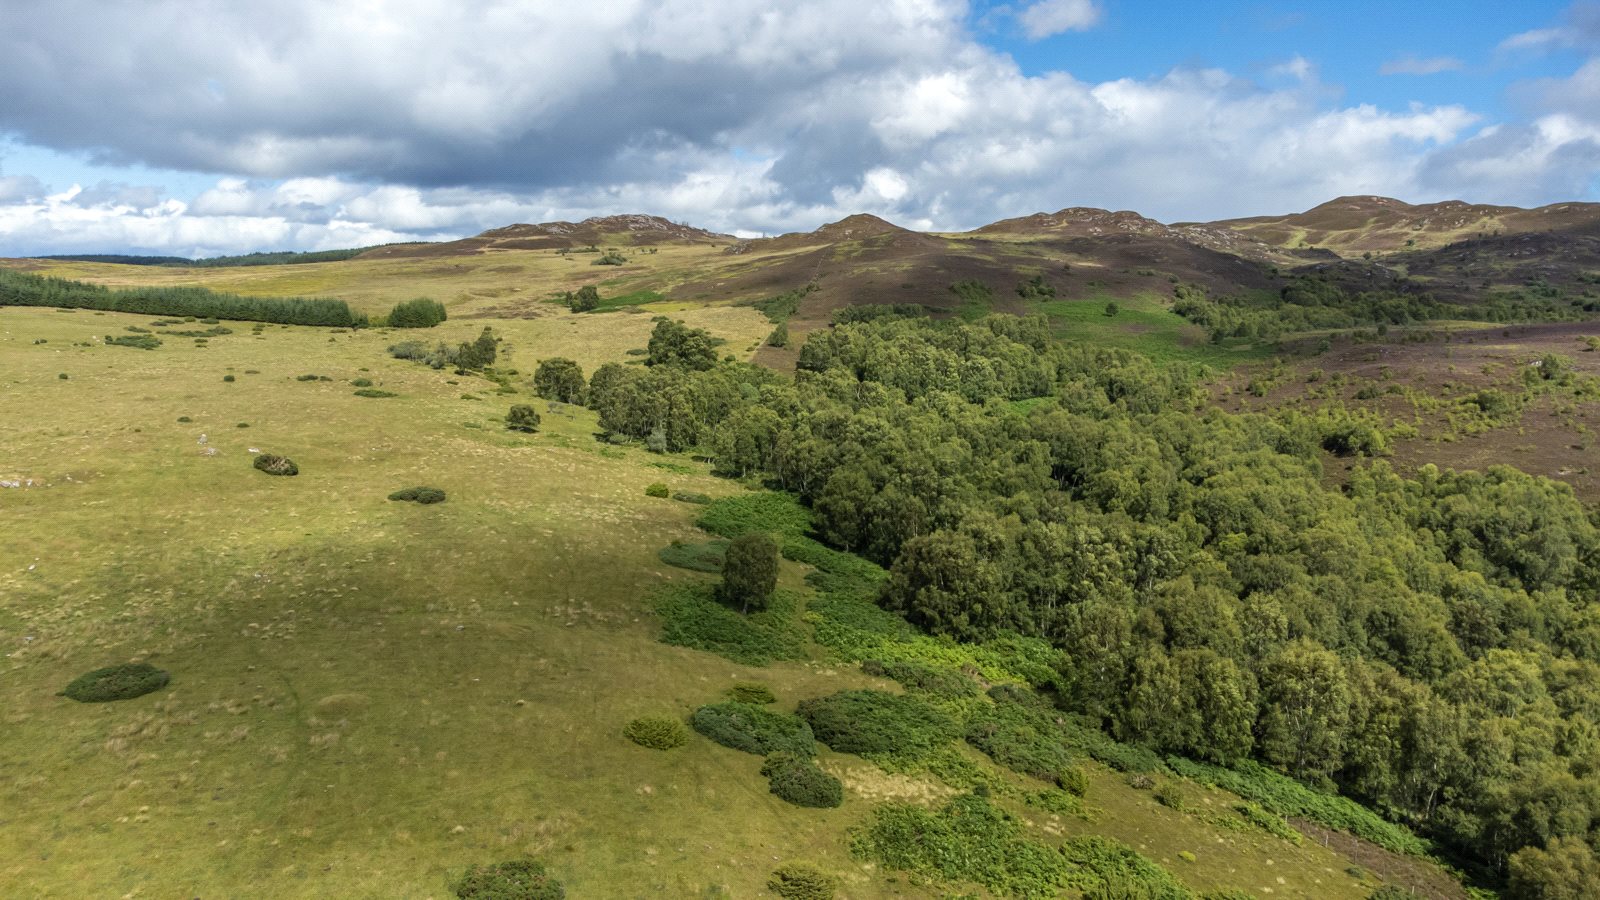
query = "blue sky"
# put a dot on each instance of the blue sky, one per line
(166, 127)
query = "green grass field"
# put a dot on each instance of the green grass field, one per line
(1146, 325)
(368, 696)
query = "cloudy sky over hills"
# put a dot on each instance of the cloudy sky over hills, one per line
(199, 128)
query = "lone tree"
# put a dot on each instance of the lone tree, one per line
(559, 379)
(523, 417)
(750, 570)
(586, 299)
(479, 353)
(1112, 309)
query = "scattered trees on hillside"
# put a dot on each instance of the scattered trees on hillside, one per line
(676, 344)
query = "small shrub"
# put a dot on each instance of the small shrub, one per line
(610, 258)
(797, 882)
(865, 721)
(523, 418)
(273, 464)
(374, 392)
(657, 490)
(1073, 781)
(229, 378)
(311, 378)
(743, 726)
(423, 495)
(1174, 795)
(691, 497)
(522, 879)
(362, 382)
(185, 419)
(242, 425)
(120, 682)
(137, 341)
(656, 732)
(751, 692)
(796, 779)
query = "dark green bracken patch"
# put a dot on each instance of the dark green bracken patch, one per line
(119, 682)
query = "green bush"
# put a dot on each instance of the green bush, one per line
(767, 511)
(522, 418)
(706, 557)
(423, 495)
(273, 464)
(361, 382)
(418, 313)
(585, 299)
(796, 779)
(797, 882)
(139, 341)
(656, 732)
(657, 490)
(559, 379)
(751, 692)
(374, 392)
(119, 682)
(691, 497)
(609, 258)
(522, 879)
(749, 571)
(1174, 795)
(750, 728)
(228, 378)
(864, 721)
(1073, 781)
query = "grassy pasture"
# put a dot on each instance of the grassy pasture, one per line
(368, 696)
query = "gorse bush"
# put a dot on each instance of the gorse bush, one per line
(750, 728)
(657, 490)
(522, 417)
(423, 495)
(522, 879)
(656, 732)
(273, 464)
(796, 779)
(418, 313)
(865, 721)
(797, 882)
(119, 682)
(24, 289)
(137, 341)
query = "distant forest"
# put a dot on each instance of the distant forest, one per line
(278, 258)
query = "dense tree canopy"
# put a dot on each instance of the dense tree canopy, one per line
(1429, 645)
